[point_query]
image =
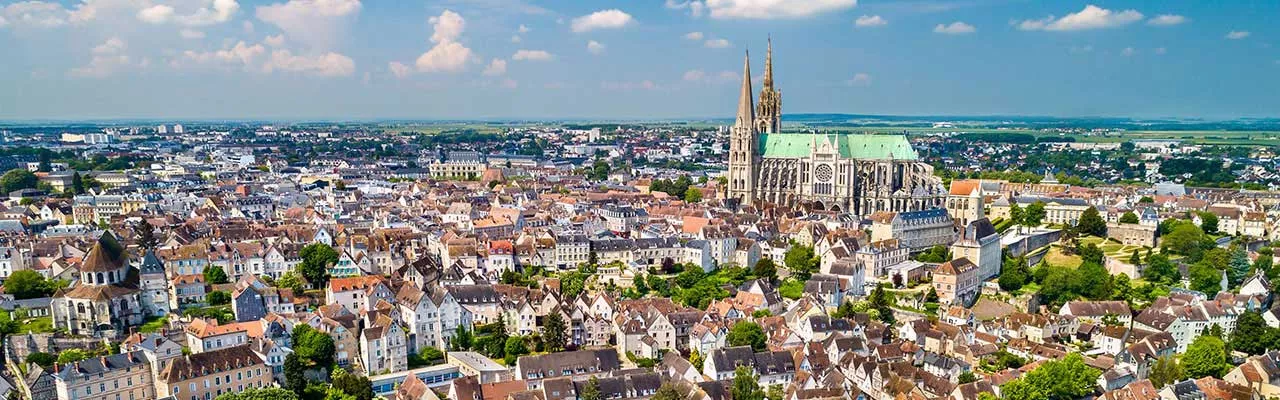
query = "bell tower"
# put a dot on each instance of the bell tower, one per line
(744, 143)
(769, 111)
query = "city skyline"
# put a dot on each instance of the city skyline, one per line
(477, 59)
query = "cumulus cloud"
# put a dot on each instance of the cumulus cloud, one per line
(242, 55)
(444, 57)
(774, 9)
(595, 47)
(447, 55)
(515, 39)
(209, 13)
(157, 14)
(695, 7)
(604, 19)
(328, 64)
(694, 75)
(955, 28)
(868, 21)
(399, 69)
(496, 67)
(34, 14)
(312, 22)
(531, 55)
(1166, 20)
(108, 58)
(191, 34)
(523, 29)
(693, 36)
(717, 43)
(1091, 17)
(860, 79)
(1237, 35)
(274, 40)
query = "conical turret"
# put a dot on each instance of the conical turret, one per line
(746, 113)
(768, 66)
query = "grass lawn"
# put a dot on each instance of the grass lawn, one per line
(152, 325)
(1055, 257)
(37, 325)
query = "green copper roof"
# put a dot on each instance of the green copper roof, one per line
(859, 146)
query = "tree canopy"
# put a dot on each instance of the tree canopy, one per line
(746, 333)
(1206, 356)
(1066, 378)
(316, 259)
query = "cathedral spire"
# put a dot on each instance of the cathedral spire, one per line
(746, 113)
(768, 66)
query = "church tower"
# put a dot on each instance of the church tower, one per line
(769, 111)
(743, 143)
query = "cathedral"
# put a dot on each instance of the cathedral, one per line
(858, 174)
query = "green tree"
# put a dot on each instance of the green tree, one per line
(1209, 222)
(218, 298)
(18, 178)
(967, 377)
(881, 301)
(462, 338)
(693, 195)
(696, 359)
(292, 281)
(801, 260)
(1066, 378)
(1252, 335)
(266, 393)
(1161, 270)
(1013, 274)
(1034, 215)
(765, 269)
(514, 348)
(1060, 285)
(1166, 371)
(44, 360)
(1206, 356)
(667, 391)
(1129, 218)
(1205, 278)
(745, 386)
(214, 275)
(1095, 281)
(294, 379)
(27, 284)
(1016, 213)
(1091, 223)
(1239, 266)
(1184, 239)
(553, 328)
(1135, 258)
(591, 390)
(313, 347)
(746, 333)
(316, 259)
(357, 386)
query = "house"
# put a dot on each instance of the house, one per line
(576, 365)
(207, 375)
(1099, 311)
(916, 230)
(125, 375)
(979, 242)
(384, 346)
(957, 281)
(770, 367)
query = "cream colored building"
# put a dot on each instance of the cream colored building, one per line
(957, 281)
(205, 376)
(1133, 234)
(124, 376)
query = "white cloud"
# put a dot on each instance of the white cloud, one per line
(444, 57)
(274, 40)
(157, 14)
(860, 79)
(191, 34)
(34, 14)
(399, 69)
(241, 55)
(1237, 35)
(3, 21)
(108, 58)
(1128, 51)
(313, 22)
(447, 27)
(695, 7)
(773, 9)
(604, 19)
(328, 64)
(523, 29)
(531, 55)
(209, 13)
(496, 67)
(595, 47)
(717, 43)
(1091, 17)
(693, 36)
(1166, 20)
(694, 75)
(955, 28)
(447, 55)
(868, 21)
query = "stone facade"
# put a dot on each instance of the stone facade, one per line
(857, 174)
(1133, 234)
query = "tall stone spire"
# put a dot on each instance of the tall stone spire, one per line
(768, 66)
(746, 113)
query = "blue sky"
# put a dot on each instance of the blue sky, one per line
(463, 59)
